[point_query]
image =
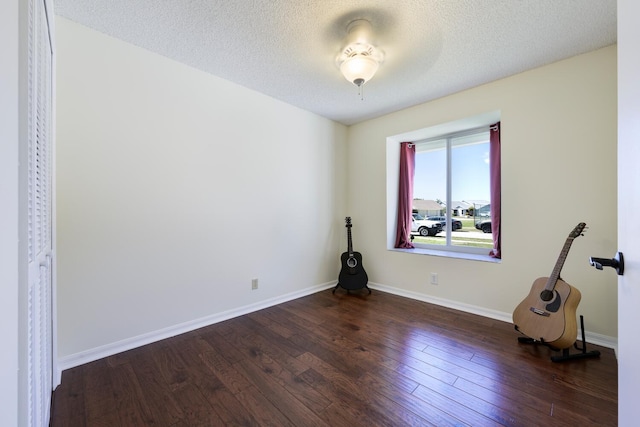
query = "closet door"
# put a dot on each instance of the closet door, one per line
(39, 187)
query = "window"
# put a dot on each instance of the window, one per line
(450, 182)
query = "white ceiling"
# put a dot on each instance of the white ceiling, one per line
(287, 48)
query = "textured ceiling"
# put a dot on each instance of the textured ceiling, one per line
(287, 48)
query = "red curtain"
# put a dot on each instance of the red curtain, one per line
(494, 166)
(405, 195)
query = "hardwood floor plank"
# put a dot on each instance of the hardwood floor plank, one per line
(205, 376)
(370, 396)
(261, 409)
(473, 412)
(267, 382)
(326, 350)
(354, 346)
(410, 403)
(170, 366)
(131, 402)
(219, 343)
(342, 360)
(426, 370)
(455, 396)
(268, 319)
(71, 399)
(196, 409)
(159, 398)
(253, 342)
(350, 403)
(529, 408)
(282, 369)
(100, 401)
(226, 373)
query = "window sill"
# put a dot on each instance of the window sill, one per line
(449, 254)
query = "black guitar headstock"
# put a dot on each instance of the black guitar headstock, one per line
(348, 222)
(578, 230)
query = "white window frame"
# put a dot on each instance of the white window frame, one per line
(393, 169)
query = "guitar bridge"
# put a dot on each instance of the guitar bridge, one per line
(539, 312)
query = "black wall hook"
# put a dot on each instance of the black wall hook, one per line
(616, 262)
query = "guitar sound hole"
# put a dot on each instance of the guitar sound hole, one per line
(352, 262)
(546, 295)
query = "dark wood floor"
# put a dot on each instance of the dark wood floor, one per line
(342, 360)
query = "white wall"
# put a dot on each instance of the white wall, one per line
(558, 169)
(176, 188)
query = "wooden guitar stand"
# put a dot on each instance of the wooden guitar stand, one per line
(566, 355)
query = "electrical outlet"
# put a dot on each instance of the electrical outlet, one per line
(254, 284)
(434, 278)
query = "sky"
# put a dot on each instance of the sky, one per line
(470, 173)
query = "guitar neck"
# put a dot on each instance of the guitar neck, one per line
(555, 274)
(349, 245)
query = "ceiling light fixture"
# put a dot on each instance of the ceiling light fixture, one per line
(359, 59)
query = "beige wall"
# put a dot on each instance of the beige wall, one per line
(558, 169)
(175, 189)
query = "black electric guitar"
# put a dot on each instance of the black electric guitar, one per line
(352, 275)
(548, 313)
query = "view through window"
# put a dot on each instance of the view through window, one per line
(452, 187)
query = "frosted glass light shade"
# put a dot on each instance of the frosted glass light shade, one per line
(358, 69)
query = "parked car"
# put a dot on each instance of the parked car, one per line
(456, 224)
(484, 225)
(424, 227)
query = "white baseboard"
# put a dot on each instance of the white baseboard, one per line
(590, 337)
(106, 350)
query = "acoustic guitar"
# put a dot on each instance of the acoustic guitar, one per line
(548, 313)
(352, 275)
